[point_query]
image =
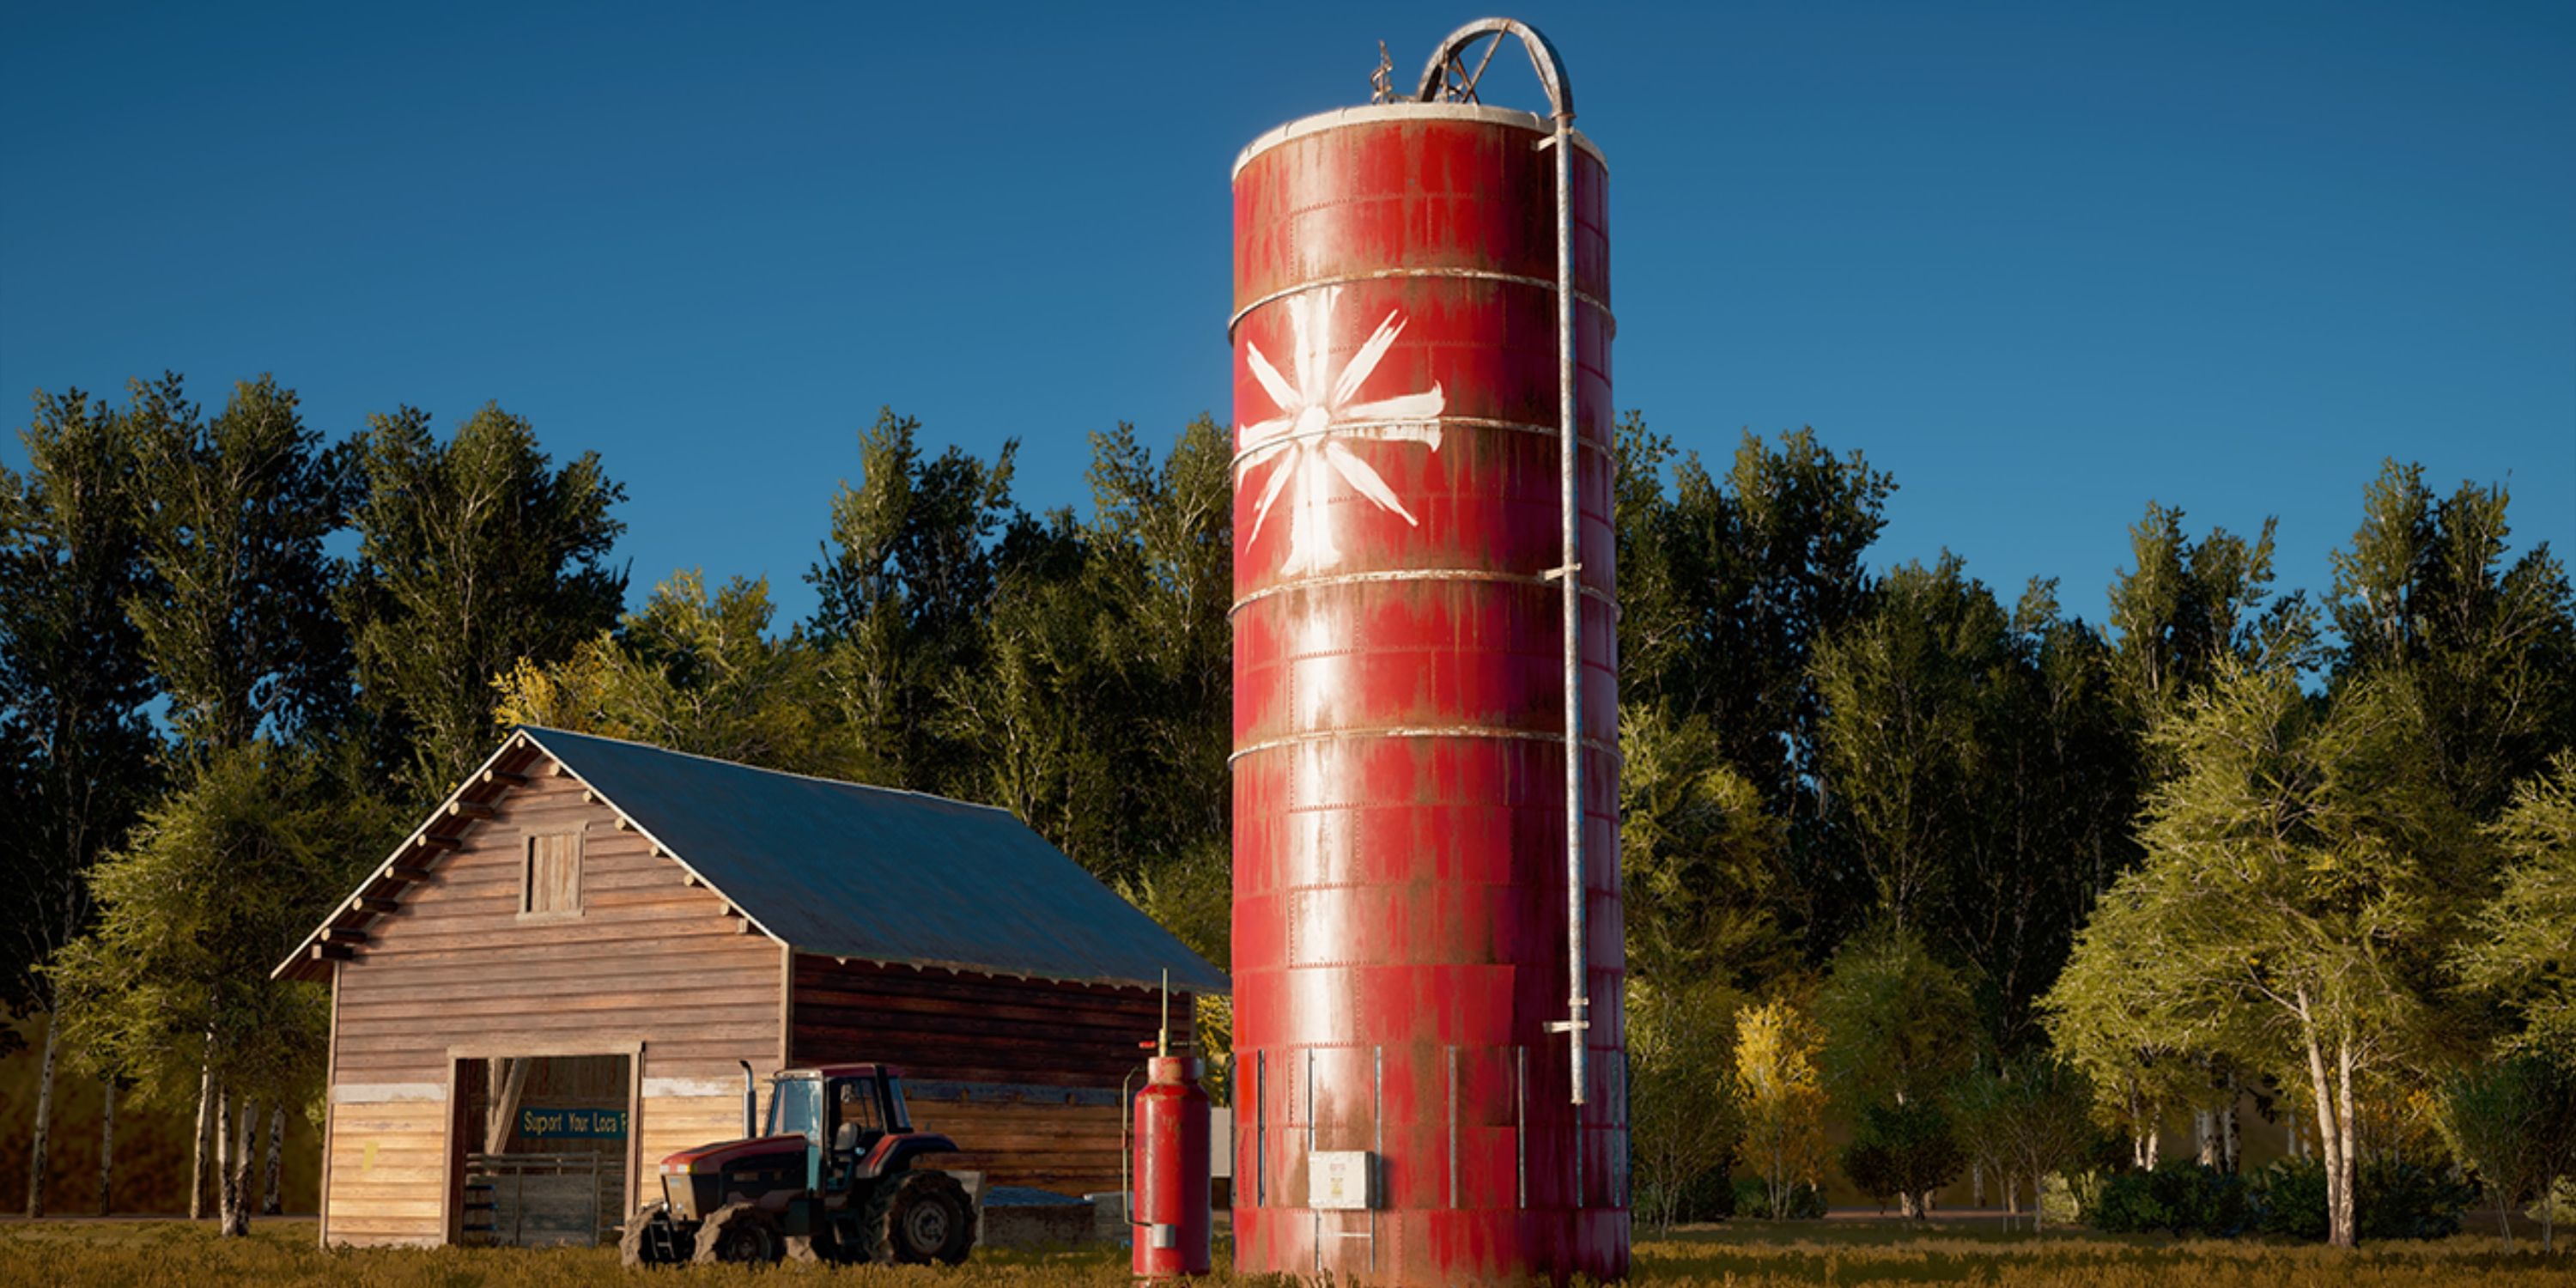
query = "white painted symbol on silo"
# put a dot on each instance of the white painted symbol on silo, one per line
(1316, 414)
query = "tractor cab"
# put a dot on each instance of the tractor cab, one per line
(846, 1113)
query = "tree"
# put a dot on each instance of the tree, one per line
(472, 555)
(2047, 1126)
(219, 881)
(2120, 1021)
(907, 585)
(1898, 1026)
(1684, 1118)
(1903, 692)
(2287, 879)
(2187, 608)
(1905, 1151)
(1700, 857)
(1978, 772)
(1101, 709)
(1899, 1031)
(1728, 583)
(236, 615)
(694, 673)
(1781, 1095)
(2514, 1120)
(235, 610)
(2489, 647)
(2519, 949)
(76, 747)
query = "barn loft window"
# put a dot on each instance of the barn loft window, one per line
(551, 880)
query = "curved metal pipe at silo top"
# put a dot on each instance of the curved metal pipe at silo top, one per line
(1429, 1041)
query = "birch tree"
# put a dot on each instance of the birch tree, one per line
(473, 554)
(1781, 1095)
(76, 748)
(2289, 871)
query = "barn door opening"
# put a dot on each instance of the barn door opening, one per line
(542, 1145)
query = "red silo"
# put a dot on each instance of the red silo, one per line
(1422, 385)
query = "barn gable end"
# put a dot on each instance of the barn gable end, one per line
(648, 967)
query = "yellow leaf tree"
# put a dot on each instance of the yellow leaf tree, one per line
(1782, 1097)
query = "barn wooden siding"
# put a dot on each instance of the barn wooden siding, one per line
(1024, 1074)
(650, 967)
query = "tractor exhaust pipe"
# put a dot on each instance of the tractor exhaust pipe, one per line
(750, 1102)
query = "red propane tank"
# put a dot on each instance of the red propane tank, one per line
(1169, 1212)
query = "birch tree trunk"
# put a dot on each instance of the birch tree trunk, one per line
(36, 1154)
(271, 1202)
(2229, 1142)
(239, 1129)
(106, 1145)
(223, 1160)
(2346, 1233)
(205, 1112)
(2204, 1138)
(2330, 1139)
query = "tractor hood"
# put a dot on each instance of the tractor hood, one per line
(731, 1153)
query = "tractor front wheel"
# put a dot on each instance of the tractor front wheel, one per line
(921, 1217)
(651, 1238)
(739, 1233)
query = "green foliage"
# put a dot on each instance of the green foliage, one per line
(1700, 856)
(693, 673)
(1898, 1026)
(473, 555)
(2514, 1122)
(1727, 585)
(2181, 1197)
(907, 585)
(1904, 1152)
(235, 610)
(2188, 609)
(2026, 1119)
(2488, 648)
(2518, 948)
(220, 881)
(1980, 773)
(2396, 1200)
(1685, 1118)
(1077, 674)
(76, 748)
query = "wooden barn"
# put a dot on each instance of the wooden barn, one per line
(549, 986)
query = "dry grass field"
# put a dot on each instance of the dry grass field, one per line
(166, 1254)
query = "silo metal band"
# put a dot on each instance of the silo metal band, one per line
(1476, 274)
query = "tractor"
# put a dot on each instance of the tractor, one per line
(833, 1178)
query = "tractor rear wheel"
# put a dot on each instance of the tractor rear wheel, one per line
(739, 1233)
(920, 1217)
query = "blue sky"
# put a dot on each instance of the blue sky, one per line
(2042, 262)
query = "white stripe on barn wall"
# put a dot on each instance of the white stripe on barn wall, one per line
(377, 1093)
(692, 1087)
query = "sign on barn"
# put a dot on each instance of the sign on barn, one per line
(572, 1124)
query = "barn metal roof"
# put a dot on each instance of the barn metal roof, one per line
(845, 870)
